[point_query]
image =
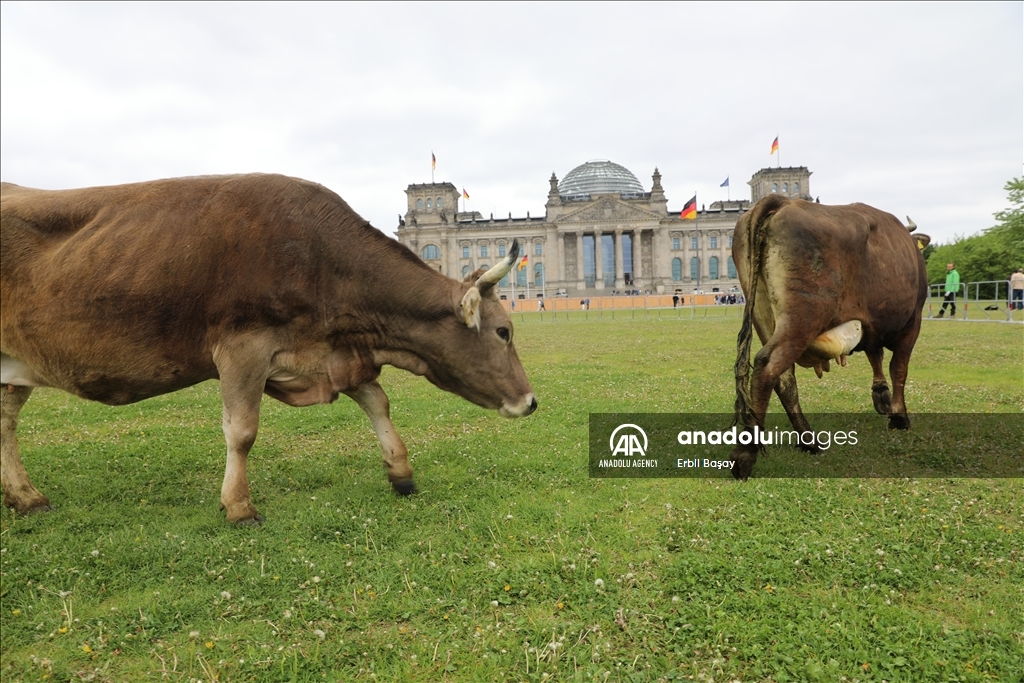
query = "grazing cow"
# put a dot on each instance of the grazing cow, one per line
(822, 282)
(271, 284)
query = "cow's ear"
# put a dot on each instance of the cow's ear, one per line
(471, 308)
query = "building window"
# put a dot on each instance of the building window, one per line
(796, 188)
(714, 242)
(730, 241)
(430, 203)
(419, 203)
(693, 243)
(501, 250)
(713, 268)
(785, 188)
(775, 187)
(465, 252)
(731, 265)
(538, 274)
(521, 277)
(431, 252)
(677, 269)
(675, 244)
(694, 269)
(465, 271)
(483, 251)
(538, 249)
(504, 281)
(440, 202)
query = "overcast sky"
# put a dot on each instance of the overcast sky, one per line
(914, 108)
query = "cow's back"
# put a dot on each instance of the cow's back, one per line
(850, 262)
(118, 293)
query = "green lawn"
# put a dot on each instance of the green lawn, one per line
(511, 564)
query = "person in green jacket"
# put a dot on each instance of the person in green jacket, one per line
(952, 287)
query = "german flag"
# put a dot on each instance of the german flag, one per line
(522, 264)
(433, 162)
(689, 211)
(465, 195)
(775, 146)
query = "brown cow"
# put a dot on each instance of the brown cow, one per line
(271, 284)
(830, 280)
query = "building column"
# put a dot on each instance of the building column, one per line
(620, 271)
(638, 257)
(598, 266)
(580, 282)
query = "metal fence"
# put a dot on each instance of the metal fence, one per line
(975, 302)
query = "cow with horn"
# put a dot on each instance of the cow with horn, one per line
(822, 282)
(270, 284)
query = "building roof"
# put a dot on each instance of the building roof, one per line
(599, 177)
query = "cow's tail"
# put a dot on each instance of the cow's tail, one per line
(756, 227)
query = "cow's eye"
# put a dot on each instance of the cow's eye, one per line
(504, 334)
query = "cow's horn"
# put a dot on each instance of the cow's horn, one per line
(494, 275)
(911, 225)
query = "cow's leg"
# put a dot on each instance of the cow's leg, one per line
(898, 367)
(19, 493)
(243, 376)
(790, 399)
(879, 388)
(374, 402)
(775, 358)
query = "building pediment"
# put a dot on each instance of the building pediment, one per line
(609, 210)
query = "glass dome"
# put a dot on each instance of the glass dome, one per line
(598, 177)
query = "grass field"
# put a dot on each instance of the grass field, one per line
(511, 564)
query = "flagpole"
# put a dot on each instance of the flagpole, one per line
(696, 228)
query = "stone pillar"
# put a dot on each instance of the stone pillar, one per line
(557, 274)
(620, 271)
(580, 282)
(598, 265)
(638, 256)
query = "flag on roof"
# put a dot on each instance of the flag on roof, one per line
(775, 146)
(689, 210)
(433, 162)
(465, 195)
(726, 183)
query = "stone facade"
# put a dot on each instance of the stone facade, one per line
(601, 233)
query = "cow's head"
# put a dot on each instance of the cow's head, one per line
(474, 356)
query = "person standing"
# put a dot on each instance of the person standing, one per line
(1017, 290)
(952, 287)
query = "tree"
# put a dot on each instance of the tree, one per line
(991, 255)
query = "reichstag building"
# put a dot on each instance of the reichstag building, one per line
(601, 232)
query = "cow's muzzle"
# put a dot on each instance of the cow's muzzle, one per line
(525, 407)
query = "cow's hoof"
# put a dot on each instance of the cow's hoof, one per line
(242, 514)
(899, 422)
(881, 398)
(252, 521)
(404, 487)
(743, 463)
(813, 448)
(30, 506)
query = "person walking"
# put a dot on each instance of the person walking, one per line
(952, 287)
(1017, 290)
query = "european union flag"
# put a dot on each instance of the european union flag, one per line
(726, 183)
